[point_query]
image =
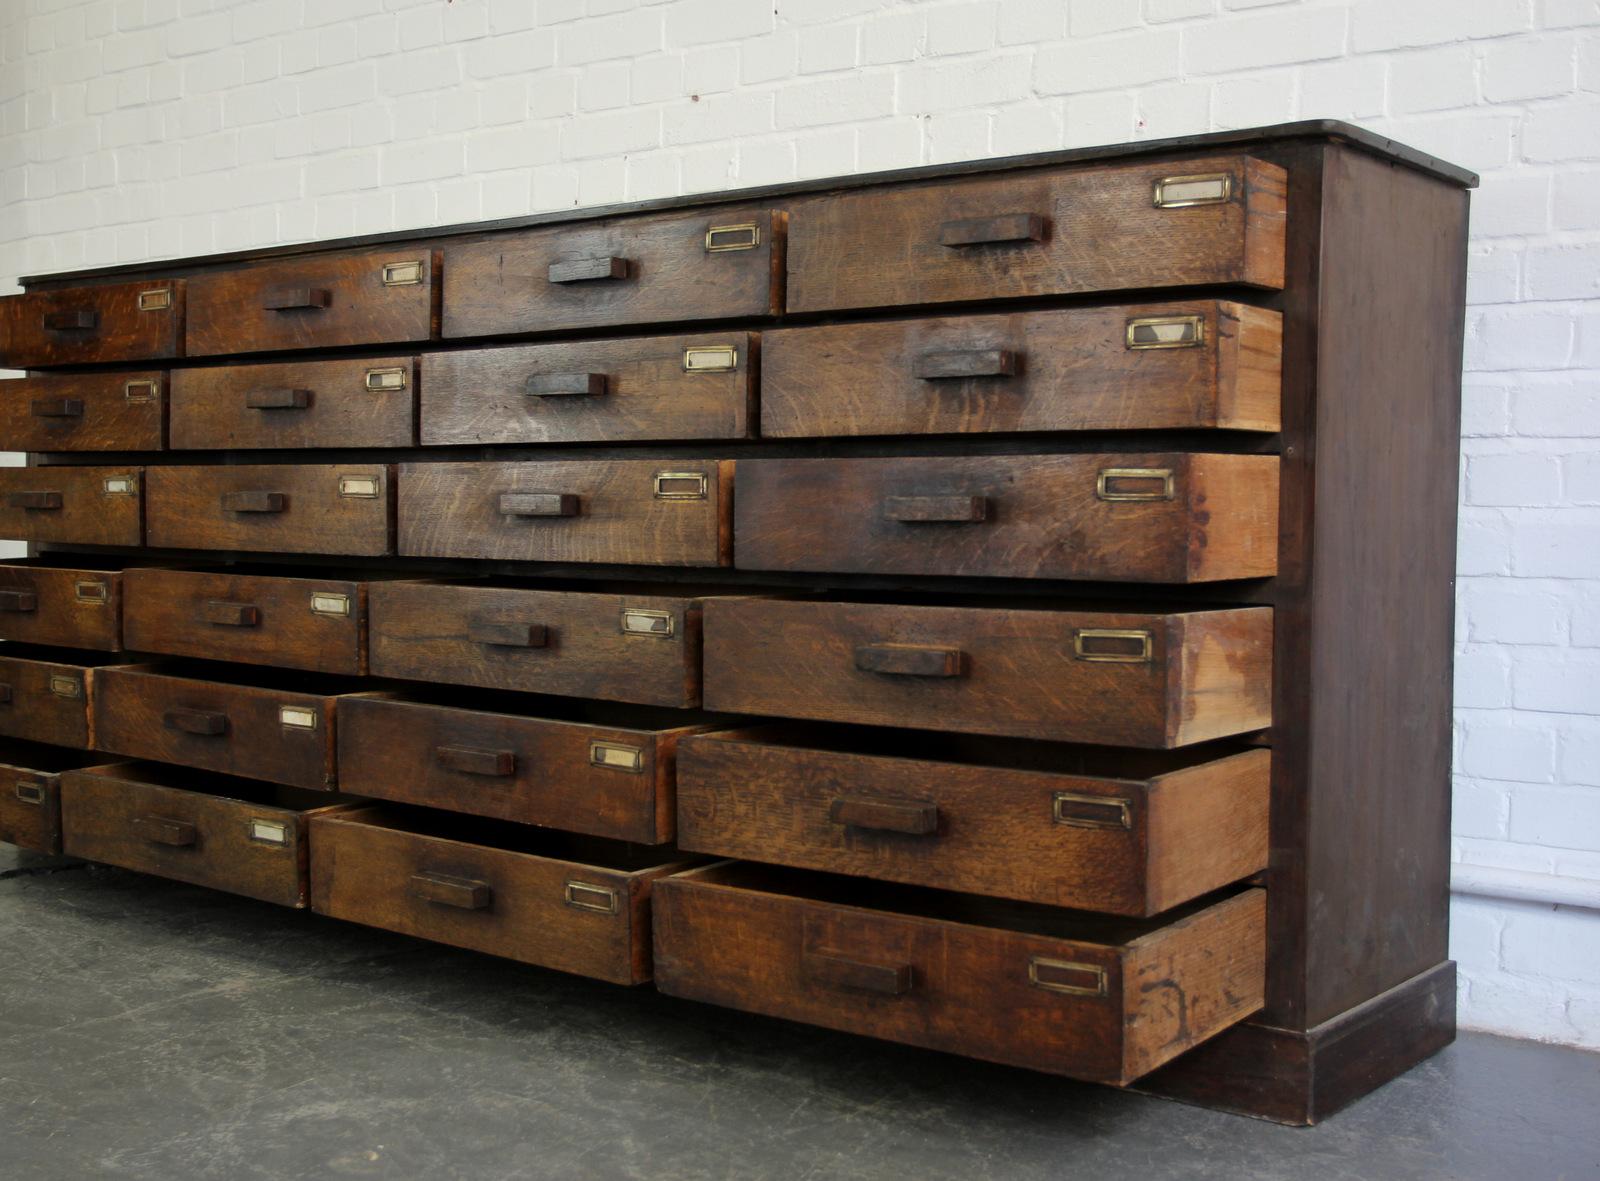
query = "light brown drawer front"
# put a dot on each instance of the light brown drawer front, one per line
(1146, 680)
(616, 647)
(370, 402)
(626, 511)
(1108, 1006)
(357, 297)
(81, 505)
(598, 391)
(72, 608)
(1198, 364)
(83, 412)
(1041, 232)
(30, 793)
(1153, 517)
(46, 701)
(704, 265)
(284, 508)
(80, 325)
(1124, 841)
(311, 623)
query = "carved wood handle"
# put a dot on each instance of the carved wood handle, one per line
(470, 761)
(538, 504)
(993, 231)
(294, 299)
(957, 363)
(18, 601)
(38, 500)
(445, 890)
(57, 408)
(913, 817)
(254, 502)
(581, 270)
(911, 660)
(837, 971)
(71, 321)
(159, 830)
(277, 399)
(507, 634)
(554, 385)
(225, 614)
(936, 509)
(196, 721)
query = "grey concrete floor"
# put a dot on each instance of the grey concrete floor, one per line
(151, 1030)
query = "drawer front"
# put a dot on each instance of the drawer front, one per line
(628, 511)
(287, 508)
(44, 701)
(79, 325)
(83, 412)
(30, 809)
(81, 505)
(69, 608)
(574, 776)
(704, 265)
(1168, 366)
(310, 623)
(1041, 232)
(1121, 679)
(639, 648)
(369, 402)
(355, 297)
(598, 391)
(244, 730)
(1088, 1010)
(1165, 517)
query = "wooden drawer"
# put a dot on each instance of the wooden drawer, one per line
(1095, 999)
(595, 391)
(83, 412)
(575, 904)
(1048, 231)
(30, 793)
(209, 830)
(1122, 832)
(1199, 364)
(318, 624)
(267, 725)
(1152, 517)
(708, 264)
(366, 402)
(637, 647)
(1125, 678)
(78, 325)
(45, 695)
(382, 296)
(284, 508)
(606, 772)
(644, 512)
(77, 505)
(52, 601)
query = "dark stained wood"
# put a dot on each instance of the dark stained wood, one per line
(42, 602)
(352, 403)
(78, 325)
(83, 412)
(47, 697)
(30, 793)
(80, 505)
(285, 508)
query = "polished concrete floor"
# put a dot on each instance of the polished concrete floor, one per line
(152, 1030)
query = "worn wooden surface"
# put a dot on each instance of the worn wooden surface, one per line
(113, 326)
(84, 411)
(46, 697)
(187, 509)
(294, 404)
(43, 602)
(71, 505)
(30, 793)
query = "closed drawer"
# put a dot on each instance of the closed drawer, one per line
(209, 830)
(369, 402)
(80, 505)
(45, 696)
(642, 648)
(1122, 832)
(294, 622)
(1166, 517)
(580, 768)
(703, 265)
(596, 391)
(78, 325)
(30, 793)
(284, 508)
(1199, 364)
(319, 301)
(628, 511)
(1095, 999)
(1126, 678)
(44, 601)
(1036, 232)
(83, 412)
(574, 904)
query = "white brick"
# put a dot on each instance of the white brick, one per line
(1511, 204)
(1388, 24)
(514, 53)
(826, 153)
(1526, 68)
(712, 70)
(423, 161)
(656, 78)
(614, 133)
(1478, 140)
(1099, 119)
(1519, 338)
(696, 22)
(551, 94)
(827, 47)
(1475, 928)
(1434, 80)
(963, 28)
(767, 59)
(717, 117)
(626, 35)
(1265, 39)
(343, 87)
(1485, 407)
(1565, 14)
(1569, 131)
(957, 135)
(1026, 127)
(1576, 201)
(1551, 547)
(513, 147)
(1483, 544)
(1089, 18)
(1511, 752)
(1556, 682)
(970, 82)
(1515, 479)
(1563, 271)
(1183, 108)
(1028, 22)
(844, 99)
(890, 143)
(1553, 942)
(604, 86)
(1252, 101)
(1580, 479)
(766, 163)
(1500, 611)
(1355, 88)
(1580, 752)
(1107, 63)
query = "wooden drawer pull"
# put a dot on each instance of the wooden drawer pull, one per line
(294, 299)
(908, 816)
(538, 504)
(580, 270)
(556, 385)
(78, 321)
(837, 971)
(19, 602)
(38, 500)
(993, 231)
(444, 890)
(277, 399)
(500, 634)
(939, 366)
(936, 509)
(222, 613)
(196, 721)
(57, 408)
(911, 660)
(468, 761)
(158, 830)
(254, 502)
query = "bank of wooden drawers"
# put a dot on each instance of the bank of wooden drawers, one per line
(80, 325)
(368, 402)
(84, 411)
(56, 601)
(30, 793)
(46, 694)
(72, 505)
(283, 508)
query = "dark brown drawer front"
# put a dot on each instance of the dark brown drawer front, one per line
(1169, 366)
(285, 508)
(80, 505)
(46, 701)
(83, 412)
(30, 793)
(1095, 1006)
(71, 608)
(627, 511)
(79, 325)
(369, 402)
(599, 391)
(616, 647)
(310, 623)
(1041, 232)
(1167, 517)
(354, 297)
(1125, 679)
(705, 265)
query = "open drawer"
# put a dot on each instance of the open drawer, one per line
(30, 792)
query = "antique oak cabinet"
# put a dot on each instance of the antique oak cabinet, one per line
(1004, 608)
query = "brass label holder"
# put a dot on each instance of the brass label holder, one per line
(66, 686)
(30, 793)
(717, 358)
(1079, 810)
(358, 487)
(586, 897)
(639, 621)
(743, 236)
(88, 591)
(328, 603)
(1074, 979)
(1166, 332)
(1135, 483)
(157, 299)
(402, 274)
(680, 485)
(392, 377)
(268, 832)
(1113, 645)
(616, 756)
(143, 390)
(297, 717)
(1180, 192)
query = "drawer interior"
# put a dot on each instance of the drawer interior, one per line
(39, 756)
(282, 680)
(610, 714)
(89, 563)
(210, 783)
(15, 651)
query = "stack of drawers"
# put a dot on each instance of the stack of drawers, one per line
(874, 604)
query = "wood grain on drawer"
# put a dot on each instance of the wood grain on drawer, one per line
(367, 402)
(79, 325)
(286, 508)
(30, 793)
(80, 505)
(71, 606)
(46, 697)
(83, 412)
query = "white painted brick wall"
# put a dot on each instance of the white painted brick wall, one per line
(137, 129)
